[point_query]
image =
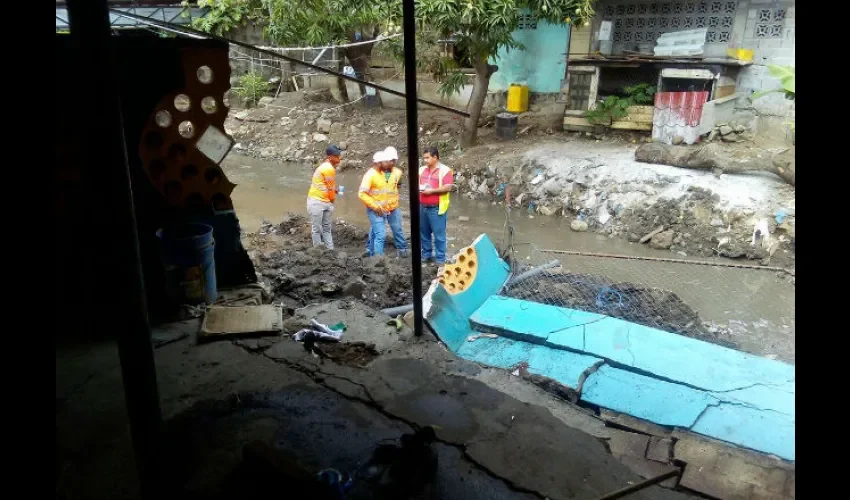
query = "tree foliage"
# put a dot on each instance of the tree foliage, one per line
(226, 15)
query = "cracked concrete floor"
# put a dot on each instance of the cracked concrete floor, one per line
(499, 436)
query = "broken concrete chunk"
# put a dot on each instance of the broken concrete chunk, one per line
(662, 240)
(660, 449)
(578, 225)
(726, 130)
(628, 444)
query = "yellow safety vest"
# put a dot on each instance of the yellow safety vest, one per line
(376, 191)
(442, 171)
(323, 186)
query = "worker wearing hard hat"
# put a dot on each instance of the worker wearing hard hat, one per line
(379, 192)
(321, 197)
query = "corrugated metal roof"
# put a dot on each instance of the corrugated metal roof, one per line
(168, 14)
(678, 114)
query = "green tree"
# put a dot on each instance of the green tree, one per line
(225, 15)
(481, 28)
(308, 23)
(323, 22)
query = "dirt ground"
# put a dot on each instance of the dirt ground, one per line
(296, 273)
(594, 179)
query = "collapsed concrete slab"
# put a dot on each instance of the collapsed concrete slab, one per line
(658, 376)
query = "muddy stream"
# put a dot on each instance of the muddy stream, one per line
(756, 307)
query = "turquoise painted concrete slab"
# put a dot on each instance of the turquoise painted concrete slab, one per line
(564, 366)
(654, 375)
(661, 402)
(499, 352)
(525, 320)
(444, 317)
(449, 314)
(492, 274)
(764, 431)
(664, 354)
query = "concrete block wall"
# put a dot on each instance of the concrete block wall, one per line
(778, 48)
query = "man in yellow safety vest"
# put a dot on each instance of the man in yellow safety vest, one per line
(379, 192)
(436, 181)
(321, 197)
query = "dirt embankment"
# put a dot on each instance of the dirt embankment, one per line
(297, 274)
(594, 180)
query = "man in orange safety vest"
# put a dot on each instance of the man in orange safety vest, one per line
(321, 197)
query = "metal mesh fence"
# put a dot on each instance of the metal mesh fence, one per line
(748, 309)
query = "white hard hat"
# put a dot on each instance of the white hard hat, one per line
(379, 157)
(392, 154)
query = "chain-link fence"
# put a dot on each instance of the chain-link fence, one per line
(745, 308)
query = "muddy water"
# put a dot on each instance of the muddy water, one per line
(757, 307)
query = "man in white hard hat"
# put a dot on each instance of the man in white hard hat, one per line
(379, 192)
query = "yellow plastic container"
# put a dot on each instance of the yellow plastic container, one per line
(745, 55)
(517, 98)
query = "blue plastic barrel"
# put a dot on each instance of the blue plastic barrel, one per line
(188, 253)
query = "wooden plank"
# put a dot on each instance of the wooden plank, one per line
(631, 126)
(222, 321)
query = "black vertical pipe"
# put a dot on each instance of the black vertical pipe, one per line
(409, 27)
(106, 155)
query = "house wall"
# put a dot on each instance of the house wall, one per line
(768, 115)
(542, 64)
(766, 26)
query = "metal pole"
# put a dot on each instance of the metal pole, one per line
(409, 28)
(628, 490)
(107, 156)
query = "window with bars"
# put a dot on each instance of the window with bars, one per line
(645, 21)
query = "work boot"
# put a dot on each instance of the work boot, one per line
(401, 254)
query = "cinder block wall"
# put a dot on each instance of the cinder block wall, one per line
(767, 27)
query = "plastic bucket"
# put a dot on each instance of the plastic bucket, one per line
(188, 253)
(506, 124)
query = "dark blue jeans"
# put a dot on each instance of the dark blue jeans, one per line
(433, 225)
(378, 233)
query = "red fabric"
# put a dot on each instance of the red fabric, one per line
(431, 179)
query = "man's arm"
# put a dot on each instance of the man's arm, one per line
(447, 187)
(367, 198)
(330, 183)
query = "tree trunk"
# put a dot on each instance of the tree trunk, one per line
(340, 83)
(476, 102)
(360, 57)
(712, 156)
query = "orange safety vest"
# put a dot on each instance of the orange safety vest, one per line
(323, 187)
(378, 192)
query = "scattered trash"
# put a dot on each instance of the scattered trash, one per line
(318, 331)
(761, 233)
(515, 373)
(537, 179)
(339, 327)
(397, 322)
(780, 216)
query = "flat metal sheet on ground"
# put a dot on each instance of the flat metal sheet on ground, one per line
(244, 320)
